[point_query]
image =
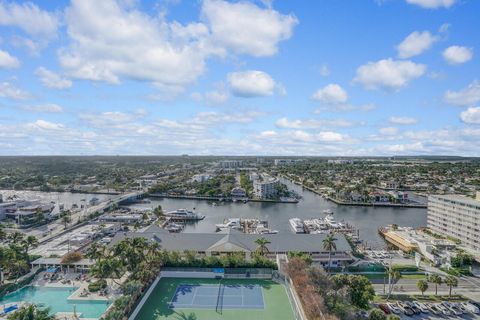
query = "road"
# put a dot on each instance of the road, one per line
(467, 286)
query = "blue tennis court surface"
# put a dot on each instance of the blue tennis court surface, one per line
(211, 296)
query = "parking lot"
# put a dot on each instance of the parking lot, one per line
(438, 310)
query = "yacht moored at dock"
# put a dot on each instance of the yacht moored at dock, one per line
(184, 214)
(233, 223)
(297, 225)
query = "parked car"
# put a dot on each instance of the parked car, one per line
(423, 308)
(394, 308)
(362, 314)
(471, 307)
(460, 307)
(414, 308)
(433, 308)
(406, 309)
(385, 308)
(445, 311)
(452, 308)
(475, 303)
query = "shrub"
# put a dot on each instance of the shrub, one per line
(97, 285)
(377, 314)
(72, 257)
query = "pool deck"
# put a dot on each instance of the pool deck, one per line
(70, 316)
(113, 288)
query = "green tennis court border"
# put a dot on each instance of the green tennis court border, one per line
(156, 307)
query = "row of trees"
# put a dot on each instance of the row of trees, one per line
(142, 259)
(329, 297)
(14, 257)
(435, 279)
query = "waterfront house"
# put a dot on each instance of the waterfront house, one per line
(238, 193)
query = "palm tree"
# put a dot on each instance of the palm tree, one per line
(393, 275)
(451, 281)
(262, 248)
(330, 245)
(39, 216)
(15, 237)
(66, 220)
(3, 234)
(31, 312)
(108, 267)
(27, 244)
(95, 251)
(436, 279)
(422, 285)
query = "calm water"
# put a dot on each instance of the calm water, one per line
(56, 299)
(366, 219)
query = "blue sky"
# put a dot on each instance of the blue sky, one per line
(366, 77)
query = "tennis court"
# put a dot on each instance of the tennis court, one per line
(218, 297)
(237, 299)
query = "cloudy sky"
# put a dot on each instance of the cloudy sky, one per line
(363, 77)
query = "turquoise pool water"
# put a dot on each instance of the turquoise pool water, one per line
(56, 299)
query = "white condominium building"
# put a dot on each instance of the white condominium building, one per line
(265, 188)
(456, 216)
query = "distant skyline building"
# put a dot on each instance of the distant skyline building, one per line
(231, 164)
(456, 216)
(282, 162)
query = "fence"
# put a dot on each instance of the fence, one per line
(292, 295)
(229, 273)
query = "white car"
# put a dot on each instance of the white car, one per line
(470, 307)
(394, 308)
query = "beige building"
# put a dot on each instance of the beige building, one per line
(456, 216)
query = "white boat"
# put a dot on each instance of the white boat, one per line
(330, 221)
(232, 223)
(184, 214)
(173, 227)
(261, 229)
(297, 225)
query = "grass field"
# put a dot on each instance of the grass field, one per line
(277, 305)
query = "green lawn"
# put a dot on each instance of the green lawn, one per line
(277, 305)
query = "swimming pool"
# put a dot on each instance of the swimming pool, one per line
(56, 300)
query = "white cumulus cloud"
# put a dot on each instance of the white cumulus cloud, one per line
(457, 54)
(312, 123)
(403, 120)
(10, 91)
(28, 17)
(388, 131)
(51, 79)
(246, 28)
(415, 43)
(471, 115)
(388, 74)
(331, 94)
(8, 61)
(216, 97)
(433, 4)
(109, 42)
(45, 108)
(466, 97)
(251, 83)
